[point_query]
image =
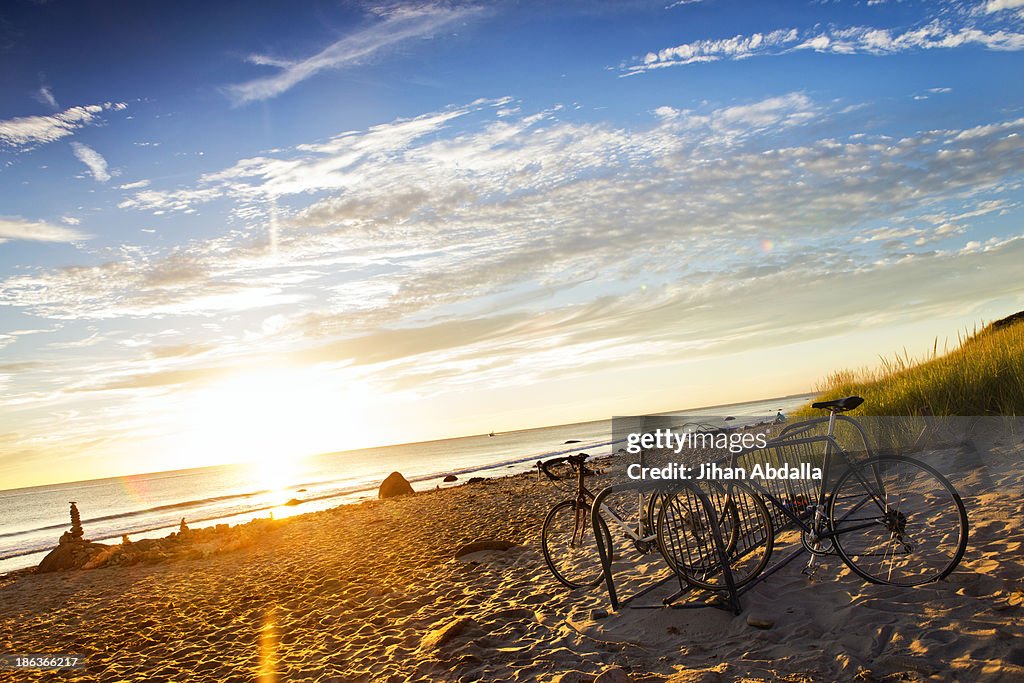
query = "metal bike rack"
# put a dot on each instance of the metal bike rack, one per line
(796, 443)
(732, 596)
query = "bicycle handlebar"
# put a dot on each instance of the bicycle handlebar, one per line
(543, 465)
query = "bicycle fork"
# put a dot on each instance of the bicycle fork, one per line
(580, 528)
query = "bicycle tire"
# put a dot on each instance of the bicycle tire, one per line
(690, 550)
(573, 559)
(907, 511)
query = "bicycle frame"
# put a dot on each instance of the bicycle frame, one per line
(585, 498)
(790, 436)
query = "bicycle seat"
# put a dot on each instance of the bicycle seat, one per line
(839, 405)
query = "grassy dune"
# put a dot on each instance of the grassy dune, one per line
(983, 375)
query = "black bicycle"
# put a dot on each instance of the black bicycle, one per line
(890, 518)
(570, 547)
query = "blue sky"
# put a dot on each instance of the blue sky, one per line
(260, 230)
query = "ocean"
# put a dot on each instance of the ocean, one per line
(152, 505)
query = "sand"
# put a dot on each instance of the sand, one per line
(373, 592)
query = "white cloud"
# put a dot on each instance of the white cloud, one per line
(998, 5)
(398, 26)
(93, 160)
(137, 185)
(70, 220)
(865, 40)
(737, 47)
(851, 40)
(31, 130)
(45, 95)
(36, 231)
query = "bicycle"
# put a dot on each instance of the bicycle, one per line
(890, 518)
(568, 542)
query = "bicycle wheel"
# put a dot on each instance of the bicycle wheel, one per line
(898, 521)
(687, 542)
(569, 545)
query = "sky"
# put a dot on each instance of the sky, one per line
(240, 231)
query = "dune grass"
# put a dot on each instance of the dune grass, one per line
(983, 375)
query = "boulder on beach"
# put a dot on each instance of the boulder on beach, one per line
(450, 478)
(394, 485)
(66, 556)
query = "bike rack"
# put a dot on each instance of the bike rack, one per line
(732, 596)
(791, 447)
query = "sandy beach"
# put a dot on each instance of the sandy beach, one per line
(373, 592)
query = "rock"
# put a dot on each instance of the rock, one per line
(444, 634)
(70, 555)
(76, 522)
(571, 441)
(477, 546)
(613, 675)
(293, 502)
(598, 613)
(451, 477)
(474, 480)
(760, 621)
(394, 485)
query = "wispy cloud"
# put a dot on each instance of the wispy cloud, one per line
(93, 160)
(737, 47)
(958, 32)
(36, 231)
(33, 130)
(45, 95)
(458, 206)
(399, 25)
(865, 40)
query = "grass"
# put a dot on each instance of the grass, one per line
(983, 375)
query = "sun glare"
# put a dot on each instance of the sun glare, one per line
(270, 418)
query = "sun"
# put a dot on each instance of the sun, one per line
(271, 418)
